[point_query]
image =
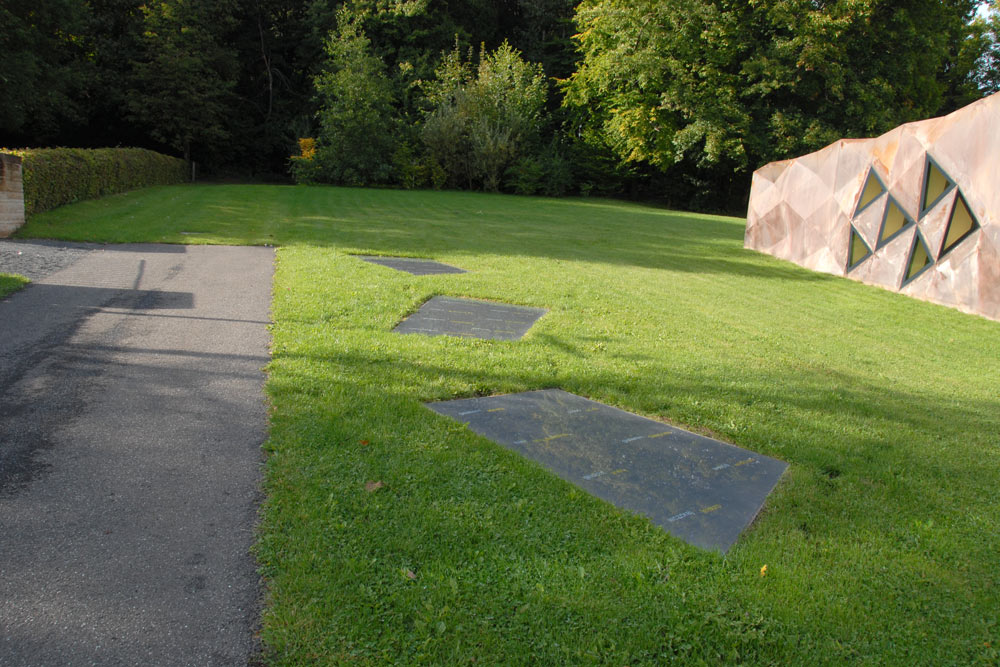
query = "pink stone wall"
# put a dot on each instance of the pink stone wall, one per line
(806, 210)
(11, 195)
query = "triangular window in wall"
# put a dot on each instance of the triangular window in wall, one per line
(894, 221)
(873, 188)
(919, 259)
(936, 185)
(858, 252)
(960, 225)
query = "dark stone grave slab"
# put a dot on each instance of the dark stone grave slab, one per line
(701, 490)
(418, 267)
(469, 318)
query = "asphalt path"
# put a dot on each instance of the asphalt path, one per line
(132, 415)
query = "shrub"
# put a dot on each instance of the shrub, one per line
(303, 167)
(358, 123)
(57, 176)
(547, 173)
(483, 120)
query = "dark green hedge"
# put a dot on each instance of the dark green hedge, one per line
(57, 176)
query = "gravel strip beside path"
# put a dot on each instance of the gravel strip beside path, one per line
(36, 259)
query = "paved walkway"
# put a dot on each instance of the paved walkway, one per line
(131, 423)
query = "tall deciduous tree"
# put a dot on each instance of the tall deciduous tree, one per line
(726, 85)
(988, 68)
(544, 34)
(275, 87)
(358, 123)
(184, 81)
(114, 43)
(44, 70)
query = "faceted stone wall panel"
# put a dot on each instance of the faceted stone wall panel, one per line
(915, 210)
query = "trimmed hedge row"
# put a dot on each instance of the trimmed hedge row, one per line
(57, 176)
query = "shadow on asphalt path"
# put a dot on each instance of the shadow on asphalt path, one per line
(131, 422)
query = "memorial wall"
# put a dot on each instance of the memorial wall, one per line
(914, 210)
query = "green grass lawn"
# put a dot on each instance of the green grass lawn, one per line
(10, 283)
(880, 542)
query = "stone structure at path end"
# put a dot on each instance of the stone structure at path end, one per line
(11, 195)
(916, 210)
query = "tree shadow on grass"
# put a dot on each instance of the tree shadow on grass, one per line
(710, 248)
(431, 224)
(878, 410)
(856, 488)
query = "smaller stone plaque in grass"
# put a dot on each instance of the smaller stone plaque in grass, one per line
(704, 491)
(469, 318)
(418, 267)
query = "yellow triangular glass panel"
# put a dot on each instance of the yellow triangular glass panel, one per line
(960, 225)
(919, 259)
(873, 188)
(935, 185)
(895, 220)
(859, 250)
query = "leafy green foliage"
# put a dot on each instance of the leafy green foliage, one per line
(547, 172)
(482, 121)
(56, 176)
(184, 80)
(686, 98)
(358, 123)
(987, 71)
(114, 42)
(44, 73)
(273, 84)
(544, 34)
(724, 87)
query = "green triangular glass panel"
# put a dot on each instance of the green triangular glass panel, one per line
(920, 259)
(858, 252)
(936, 183)
(960, 225)
(873, 188)
(893, 222)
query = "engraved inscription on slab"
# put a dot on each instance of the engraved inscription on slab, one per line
(701, 490)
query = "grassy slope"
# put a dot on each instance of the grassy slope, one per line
(880, 542)
(10, 283)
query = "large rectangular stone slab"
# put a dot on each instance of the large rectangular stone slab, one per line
(417, 267)
(701, 490)
(470, 318)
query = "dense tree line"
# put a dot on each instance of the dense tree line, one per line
(708, 88)
(227, 82)
(678, 98)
